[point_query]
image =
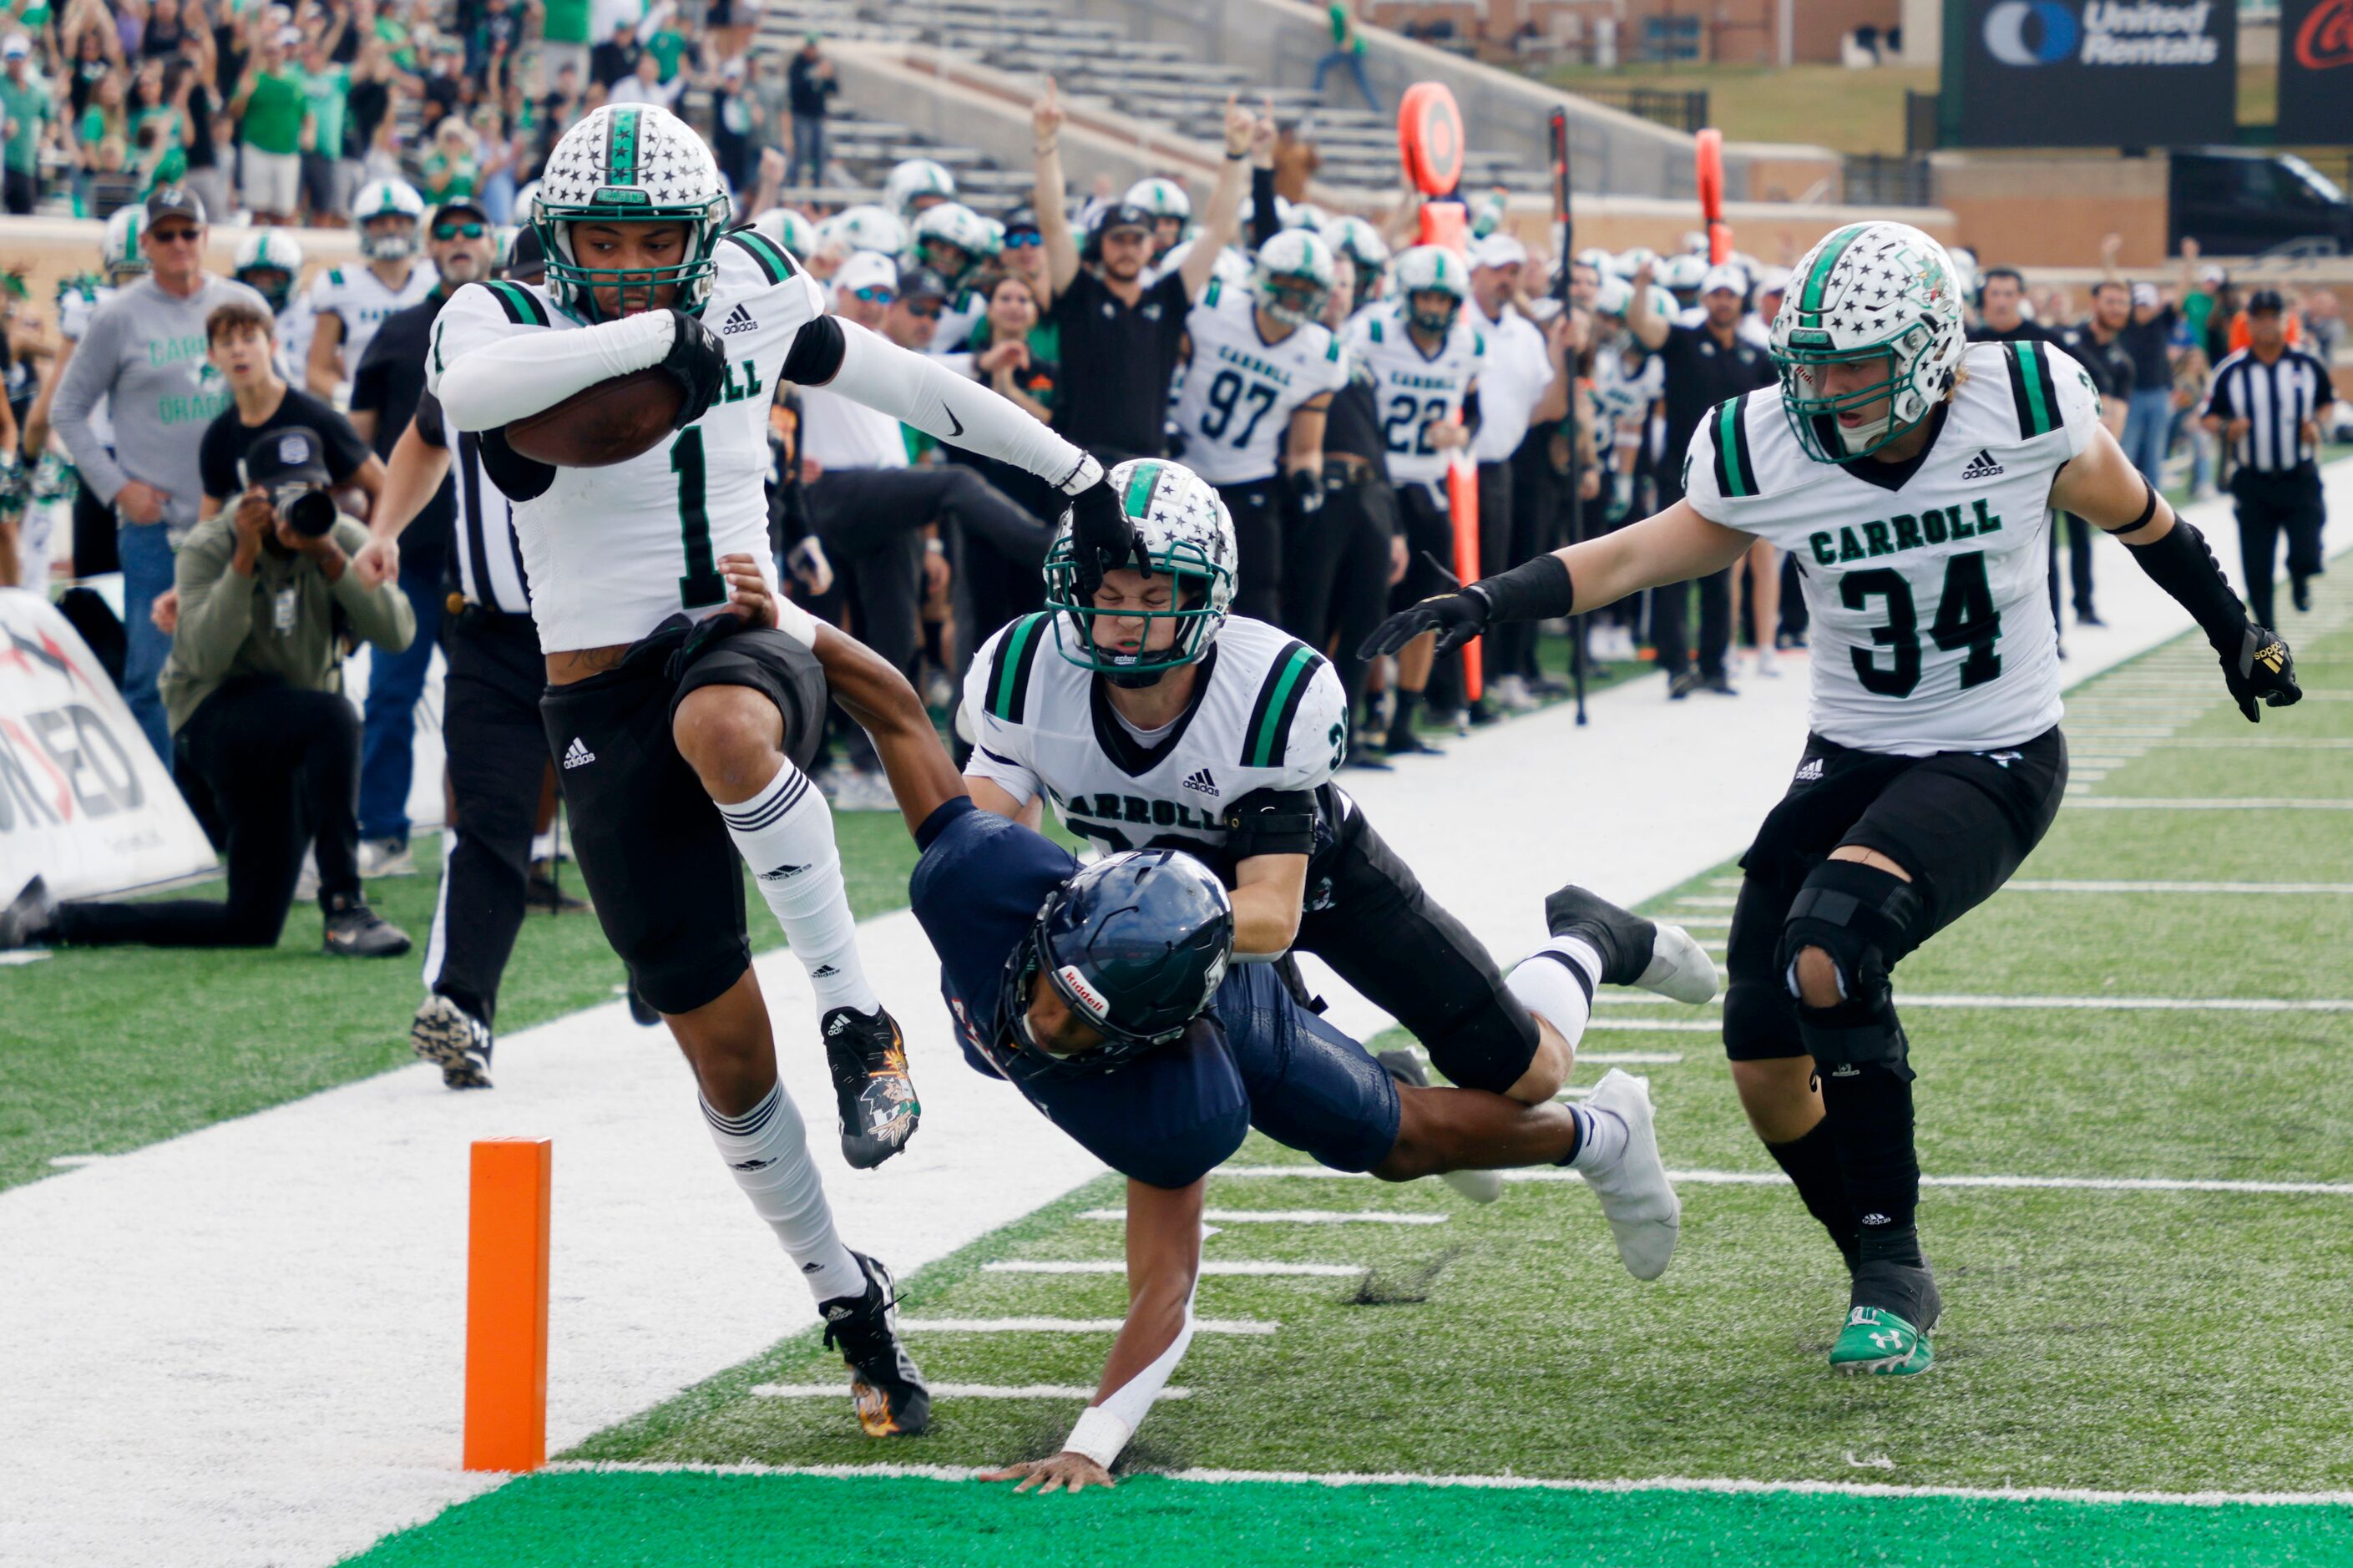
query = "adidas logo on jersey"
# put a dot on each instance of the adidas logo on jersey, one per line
(576, 755)
(1810, 769)
(1982, 467)
(739, 319)
(1202, 781)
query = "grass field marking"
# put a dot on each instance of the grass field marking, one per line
(1601, 1058)
(2227, 743)
(1295, 1216)
(1775, 1179)
(1663, 1025)
(2273, 890)
(1071, 1325)
(1496, 1483)
(1690, 920)
(75, 1161)
(17, 956)
(1230, 1270)
(1700, 901)
(954, 1391)
(2214, 803)
(2068, 1004)
(2139, 733)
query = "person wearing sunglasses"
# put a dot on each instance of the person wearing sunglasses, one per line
(142, 356)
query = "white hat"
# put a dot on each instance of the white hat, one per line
(1724, 277)
(1499, 250)
(866, 270)
(14, 47)
(2144, 294)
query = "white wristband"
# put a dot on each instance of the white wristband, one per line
(795, 622)
(1099, 1435)
(1082, 476)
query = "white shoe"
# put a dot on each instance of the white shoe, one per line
(1621, 644)
(386, 858)
(866, 791)
(1511, 694)
(1679, 969)
(1769, 662)
(1644, 1214)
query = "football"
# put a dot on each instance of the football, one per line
(599, 426)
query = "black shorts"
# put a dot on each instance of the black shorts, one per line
(1368, 916)
(1961, 822)
(1428, 546)
(665, 877)
(1257, 513)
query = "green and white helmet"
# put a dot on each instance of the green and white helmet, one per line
(1292, 277)
(868, 227)
(122, 254)
(956, 225)
(1880, 292)
(1161, 198)
(1188, 535)
(268, 252)
(387, 198)
(787, 227)
(630, 164)
(1422, 269)
(914, 181)
(1359, 241)
(1307, 215)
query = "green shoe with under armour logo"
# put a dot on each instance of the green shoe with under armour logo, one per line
(1879, 1342)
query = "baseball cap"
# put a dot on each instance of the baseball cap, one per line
(1726, 275)
(14, 47)
(2144, 294)
(174, 201)
(2211, 273)
(866, 270)
(290, 455)
(1123, 215)
(454, 206)
(2264, 300)
(922, 283)
(1499, 250)
(1022, 220)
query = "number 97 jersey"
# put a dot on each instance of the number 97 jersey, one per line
(1241, 391)
(612, 553)
(1925, 579)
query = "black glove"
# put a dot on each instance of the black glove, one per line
(1102, 537)
(2262, 668)
(1455, 618)
(699, 359)
(1307, 489)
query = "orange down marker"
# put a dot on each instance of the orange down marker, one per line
(506, 1304)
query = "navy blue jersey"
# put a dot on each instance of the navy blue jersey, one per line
(1171, 1115)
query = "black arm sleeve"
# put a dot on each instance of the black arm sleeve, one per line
(2183, 564)
(430, 429)
(816, 354)
(1264, 220)
(517, 476)
(1537, 590)
(1271, 822)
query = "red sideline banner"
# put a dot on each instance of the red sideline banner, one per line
(84, 801)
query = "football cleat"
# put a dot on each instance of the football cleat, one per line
(454, 1040)
(355, 930)
(1479, 1186)
(871, 1090)
(891, 1398)
(1644, 1214)
(1659, 957)
(1878, 1342)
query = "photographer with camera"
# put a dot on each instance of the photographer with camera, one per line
(253, 688)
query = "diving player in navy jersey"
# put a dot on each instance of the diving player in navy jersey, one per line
(1108, 995)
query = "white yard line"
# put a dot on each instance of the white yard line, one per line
(1223, 1270)
(2231, 743)
(1775, 1179)
(2077, 1003)
(954, 1391)
(1732, 1485)
(1292, 1216)
(2225, 803)
(1071, 1325)
(270, 1375)
(2269, 889)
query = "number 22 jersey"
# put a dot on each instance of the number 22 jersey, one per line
(1925, 579)
(612, 553)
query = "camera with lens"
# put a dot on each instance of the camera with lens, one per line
(306, 509)
(289, 465)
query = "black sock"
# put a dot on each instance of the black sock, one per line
(1811, 1163)
(1869, 1115)
(1401, 722)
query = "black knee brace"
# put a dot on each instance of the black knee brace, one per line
(1759, 1024)
(1865, 919)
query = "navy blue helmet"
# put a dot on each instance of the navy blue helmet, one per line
(1135, 945)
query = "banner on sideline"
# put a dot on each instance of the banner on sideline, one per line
(84, 801)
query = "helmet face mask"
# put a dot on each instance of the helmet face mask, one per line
(1188, 539)
(388, 213)
(620, 168)
(1292, 277)
(1876, 294)
(1433, 311)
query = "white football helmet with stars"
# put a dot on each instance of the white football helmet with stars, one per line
(1868, 291)
(630, 164)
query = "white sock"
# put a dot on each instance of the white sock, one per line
(1602, 1140)
(766, 1149)
(785, 834)
(1556, 983)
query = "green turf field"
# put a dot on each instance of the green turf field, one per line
(2126, 1337)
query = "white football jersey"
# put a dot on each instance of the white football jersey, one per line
(356, 297)
(1268, 713)
(957, 318)
(76, 306)
(1925, 580)
(612, 553)
(1241, 391)
(295, 325)
(1414, 390)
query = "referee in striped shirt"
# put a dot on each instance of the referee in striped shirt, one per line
(2265, 401)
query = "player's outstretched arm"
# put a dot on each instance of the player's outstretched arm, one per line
(921, 774)
(1164, 1262)
(509, 375)
(1672, 546)
(2101, 484)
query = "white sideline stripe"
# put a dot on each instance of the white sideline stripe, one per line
(75, 1161)
(1226, 1271)
(1500, 1483)
(1689, 920)
(1295, 1216)
(2272, 889)
(953, 1391)
(2076, 1004)
(1775, 1179)
(1629, 1058)
(2196, 802)
(1070, 1326)
(1663, 1025)
(18, 955)
(2224, 743)
(1699, 901)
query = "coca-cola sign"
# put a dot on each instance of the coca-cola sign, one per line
(2316, 87)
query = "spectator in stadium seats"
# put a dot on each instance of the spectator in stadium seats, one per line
(273, 124)
(27, 109)
(1347, 52)
(615, 60)
(809, 83)
(328, 177)
(453, 170)
(1120, 337)
(144, 354)
(645, 84)
(254, 689)
(564, 38)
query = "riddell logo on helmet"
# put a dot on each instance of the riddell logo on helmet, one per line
(1090, 1000)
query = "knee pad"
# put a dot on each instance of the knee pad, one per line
(1864, 920)
(1760, 1023)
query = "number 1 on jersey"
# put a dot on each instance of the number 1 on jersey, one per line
(702, 585)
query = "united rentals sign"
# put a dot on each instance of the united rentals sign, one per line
(2089, 73)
